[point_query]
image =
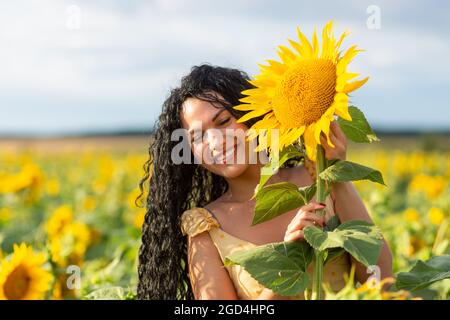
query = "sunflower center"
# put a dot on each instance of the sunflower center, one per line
(17, 285)
(306, 91)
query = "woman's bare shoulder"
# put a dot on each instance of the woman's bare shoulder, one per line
(211, 206)
(217, 206)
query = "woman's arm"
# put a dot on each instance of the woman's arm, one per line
(349, 206)
(209, 278)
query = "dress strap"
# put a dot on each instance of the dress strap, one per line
(197, 220)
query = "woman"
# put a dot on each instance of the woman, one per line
(215, 196)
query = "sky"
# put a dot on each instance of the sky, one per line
(68, 67)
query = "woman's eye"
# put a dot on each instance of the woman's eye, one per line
(224, 121)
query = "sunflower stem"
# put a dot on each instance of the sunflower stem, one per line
(321, 164)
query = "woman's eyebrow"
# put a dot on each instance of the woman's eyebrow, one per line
(212, 120)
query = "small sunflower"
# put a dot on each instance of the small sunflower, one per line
(60, 219)
(71, 244)
(23, 276)
(300, 95)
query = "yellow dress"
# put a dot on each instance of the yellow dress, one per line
(198, 220)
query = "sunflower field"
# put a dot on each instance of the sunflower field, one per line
(70, 226)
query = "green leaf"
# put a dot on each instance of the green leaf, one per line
(357, 130)
(108, 293)
(363, 240)
(278, 198)
(350, 171)
(322, 240)
(425, 273)
(332, 253)
(272, 167)
(307, 193)
(279, 266)
(332, 223)
(359, 238)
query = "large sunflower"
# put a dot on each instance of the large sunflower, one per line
(300, 95)
(23, 277)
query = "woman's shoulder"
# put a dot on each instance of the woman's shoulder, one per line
(197, 220)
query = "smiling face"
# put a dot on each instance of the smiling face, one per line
(216, 139)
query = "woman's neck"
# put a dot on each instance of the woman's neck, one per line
(241, 188)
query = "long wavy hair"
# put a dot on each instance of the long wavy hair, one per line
(171, 189)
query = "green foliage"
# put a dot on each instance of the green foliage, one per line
(424, 273)
(359, 238)
(357, 130)
(342, 171)
(280, 266)
(278, 198)
(275, 164)
(110, 293)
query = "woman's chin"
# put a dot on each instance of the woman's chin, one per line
(232, 170)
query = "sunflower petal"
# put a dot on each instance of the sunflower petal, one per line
(266, 123)
(263, 82)
(307, 49)
(326, 131)
(285, 54)
(315, 44)
(318, 130)
(326, 39)
(245, 107)
(296, 133)
(310, 142)
(345, 60)
(276, 67)
(341, 39)
(250, 92)
(253, 114)
(258, 99)
(342, 111)
(341, 97)
(343, 79)
(297, 47)
(354, 85)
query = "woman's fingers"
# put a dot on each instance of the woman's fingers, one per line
(336, 152)
(308, 219)
(297, 234)
(337, 131)
(311, 206)
(307, 213)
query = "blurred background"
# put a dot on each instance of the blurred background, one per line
(82, 83)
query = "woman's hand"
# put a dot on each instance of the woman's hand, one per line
(338, 138)
(305, 216)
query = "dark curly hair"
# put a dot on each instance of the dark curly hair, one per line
(172, 189)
